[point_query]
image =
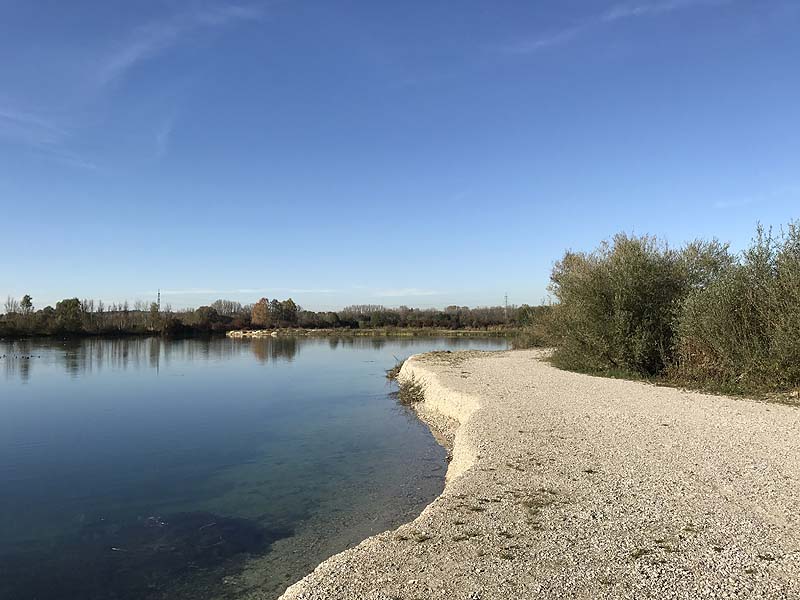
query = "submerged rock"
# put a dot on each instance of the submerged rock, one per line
(175, 556)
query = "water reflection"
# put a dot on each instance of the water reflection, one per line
(94, 355)
(274, 349)
(78, 357)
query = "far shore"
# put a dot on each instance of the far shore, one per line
(377, 332)
(565, 485)
(280, 332)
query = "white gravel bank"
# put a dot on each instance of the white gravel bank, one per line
(570, 486)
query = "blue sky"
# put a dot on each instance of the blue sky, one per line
(422, 153)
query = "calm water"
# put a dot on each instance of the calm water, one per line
(141, 468)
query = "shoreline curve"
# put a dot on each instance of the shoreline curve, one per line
(569, 485)
(444, 411)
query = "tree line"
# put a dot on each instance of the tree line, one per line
(73, 316)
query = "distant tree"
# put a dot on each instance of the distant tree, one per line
(205, 316)
(227, 307)
(525, 314)
(26, 304)
(289, 312)
(69, 314)
(275, 312)
(154, 317)
(259, 316)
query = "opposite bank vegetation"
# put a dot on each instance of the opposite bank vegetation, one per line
(75, 317)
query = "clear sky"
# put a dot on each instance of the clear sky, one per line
(419, 152)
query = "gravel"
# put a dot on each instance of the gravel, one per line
(570, 486)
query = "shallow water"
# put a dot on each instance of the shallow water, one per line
(143, 468)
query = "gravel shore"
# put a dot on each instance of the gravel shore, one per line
(570, 486)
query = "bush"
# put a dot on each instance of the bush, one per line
(618, 306)
(411, 391)
(536, 323)
(742, 331)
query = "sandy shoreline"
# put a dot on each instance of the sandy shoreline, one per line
(565, 485)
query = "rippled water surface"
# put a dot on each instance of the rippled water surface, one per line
(143, 469)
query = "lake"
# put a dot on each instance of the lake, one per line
(136, 469)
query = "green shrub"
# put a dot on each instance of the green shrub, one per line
(536, 327)
(411, 391)
(617, 306)
(742, 331)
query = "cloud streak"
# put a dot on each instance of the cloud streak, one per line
(645, 9)
(728, 204)
(153, 39)
(31, 129)
(405, 293)
(615, 14)
(782, 192)
(546, 40)
(162, 138)
(42, 134)
(239, 291)
(49, 139)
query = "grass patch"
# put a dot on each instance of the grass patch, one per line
(535, 503)
(640, 552)
(392, 374)
(411, 391)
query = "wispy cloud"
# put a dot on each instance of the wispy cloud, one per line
(71, 159)
(545, 40)
(29, 128)
(153, 39)
(733, 203)
(240, 291)
(309, 290)
(645, 9)
(162, 137)
(41, 134)
(405, 293)
(614, 14)
(54, 140)
(779, 193)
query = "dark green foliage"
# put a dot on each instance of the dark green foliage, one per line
(26, 304)
(69, 315)
(203, 318)
(536, 327)
(742, 331)
(618, 305)
(696, 314)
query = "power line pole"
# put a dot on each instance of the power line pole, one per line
(159, 299)
(506, 310)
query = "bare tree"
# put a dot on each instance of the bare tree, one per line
(12, 306)
(227, 307)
